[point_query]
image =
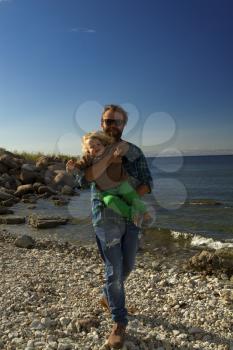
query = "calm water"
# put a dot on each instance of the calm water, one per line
(199, 178)
(177, 182)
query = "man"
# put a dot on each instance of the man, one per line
(117, 237)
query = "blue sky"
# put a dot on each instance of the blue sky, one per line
(168, 62)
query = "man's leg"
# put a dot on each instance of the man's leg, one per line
(111, 253)
(119, 258)
(130, 243)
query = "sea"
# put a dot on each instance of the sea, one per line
(194, 198)
(191, 204)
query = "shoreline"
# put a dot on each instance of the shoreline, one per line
(47, 291)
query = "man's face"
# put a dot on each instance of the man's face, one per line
(113, 124)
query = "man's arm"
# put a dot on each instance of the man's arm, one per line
(144, 175)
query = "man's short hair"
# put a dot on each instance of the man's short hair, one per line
(116, 108)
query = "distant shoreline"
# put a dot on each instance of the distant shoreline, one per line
(189, 155)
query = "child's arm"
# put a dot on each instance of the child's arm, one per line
(81, 164)
(112, 154)
(85, 162)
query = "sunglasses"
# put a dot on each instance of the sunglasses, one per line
(117, 122)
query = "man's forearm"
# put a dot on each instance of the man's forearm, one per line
(142, 189)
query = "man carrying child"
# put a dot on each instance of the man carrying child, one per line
(116, 233)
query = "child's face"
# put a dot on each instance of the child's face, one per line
(95, 147)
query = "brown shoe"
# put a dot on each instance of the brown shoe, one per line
(104, 302)
(117, 336)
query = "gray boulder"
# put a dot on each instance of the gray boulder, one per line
(29, 167)
(25, 241)
(57, 166)
(46, 189)
(12, 220)
(42, 162)
(42, 222)
(67, 190)
(28, 176)
(62, 179)
(4, 195)
(23, 189)
(3, 168)
(5, 211)
(10, 161)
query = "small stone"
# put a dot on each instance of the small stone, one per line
(52, 345)
(195, 330)
(65, 321)
(17, 340)
(36, 324)
(47, 322)
(63, 346)
(30, 343)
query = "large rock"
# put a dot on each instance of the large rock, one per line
(67, 190)
(36, 186)
(62, 179)
(9, 202)
(28, 176)
(5, 211)
(42, 222)
(46, 189)
(211, 262)
(204, 261)
(42, 162)
(3, 168)
(25, 241)
(10, 161)
(4, 195)
(23, 189)
(48, 176)
(29, 167)
(12, 220)
(57, 166)
(9, 181)
(45, 161)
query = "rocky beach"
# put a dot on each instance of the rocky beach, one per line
(177, 298)
(49, 294)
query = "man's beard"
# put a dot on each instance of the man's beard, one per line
(115, 133)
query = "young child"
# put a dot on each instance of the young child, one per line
(116, 192)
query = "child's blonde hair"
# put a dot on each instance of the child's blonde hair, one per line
(98, 135)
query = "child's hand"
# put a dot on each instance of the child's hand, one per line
(117, 152)
(117, 158)
(70, 165)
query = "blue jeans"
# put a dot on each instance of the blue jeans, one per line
(117, 240)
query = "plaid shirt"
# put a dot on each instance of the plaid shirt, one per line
(134, 162)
